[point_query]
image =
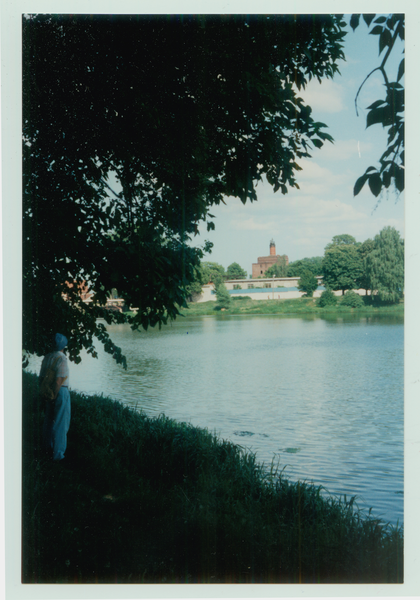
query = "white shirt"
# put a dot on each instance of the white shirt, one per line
(61, 368)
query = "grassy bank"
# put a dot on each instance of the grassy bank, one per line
(151, 500)
(242, 305)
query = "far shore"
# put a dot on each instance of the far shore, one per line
(244, 305)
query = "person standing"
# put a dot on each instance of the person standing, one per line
(58, 410)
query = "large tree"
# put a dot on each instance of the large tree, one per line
(212, 272)
(385, 265)
(313, 264)
(235, 271)
(133, 127)
(344, 239)
(364, 250)
(342, 265)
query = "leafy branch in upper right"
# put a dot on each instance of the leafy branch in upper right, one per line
(388, 112)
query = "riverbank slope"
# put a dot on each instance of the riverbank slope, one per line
(150, 500)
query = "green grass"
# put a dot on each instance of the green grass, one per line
(153, 500)
(242, 305)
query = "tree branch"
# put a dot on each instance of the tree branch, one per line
(364, 81)
(380, 68)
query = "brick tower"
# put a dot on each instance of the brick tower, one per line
(272, 248)
(264, 262)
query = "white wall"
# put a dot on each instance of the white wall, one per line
(270, 294)
(269, 281)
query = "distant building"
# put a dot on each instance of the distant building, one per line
(265, 262)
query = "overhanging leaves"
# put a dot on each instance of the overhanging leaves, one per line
(354, 21)
(375, 184)
(177, 112)
(383, 115)
(359, 184)
(388, 112)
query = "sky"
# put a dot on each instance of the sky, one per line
(304, 221)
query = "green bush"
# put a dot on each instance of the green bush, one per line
(307, 283)
(327, 298)
(223, 296)
(351, 299)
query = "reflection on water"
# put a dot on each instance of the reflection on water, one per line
(322, 396)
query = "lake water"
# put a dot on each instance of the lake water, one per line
(322, 396)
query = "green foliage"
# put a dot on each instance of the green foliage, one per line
(314, 264)
(235, 271)
(206, 272)
(307, 283)
(388, 112)
(306, 307)
(194, 288)
(364, 249)
(385, 265)
(223, 296)
(279, 269)
(180, 111)
(152, 500)
(342, 266)
(351, 299)
(341, 240)
(212, 272)
(327, 298)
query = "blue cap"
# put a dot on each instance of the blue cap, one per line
(60, 341)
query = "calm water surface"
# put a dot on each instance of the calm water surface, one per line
(324, 397)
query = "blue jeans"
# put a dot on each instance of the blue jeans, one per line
(57, 423)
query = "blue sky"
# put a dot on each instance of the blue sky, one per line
(304, 221)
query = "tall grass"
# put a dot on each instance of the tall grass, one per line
(153, 500)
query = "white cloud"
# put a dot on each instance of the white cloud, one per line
(313, 211)
(297, 214)
(316, 180)
(324, 97)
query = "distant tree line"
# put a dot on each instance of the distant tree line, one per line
(373, 265)
(213, 272)
(376, 266)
